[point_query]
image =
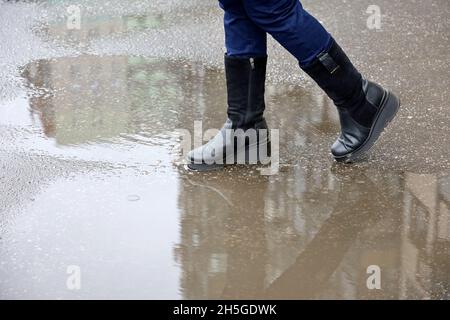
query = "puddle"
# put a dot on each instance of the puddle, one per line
(311, 231)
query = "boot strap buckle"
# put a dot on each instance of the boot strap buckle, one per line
(328, 62)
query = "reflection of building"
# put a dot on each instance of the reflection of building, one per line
(89, 98)
(314, 245)
(202, 252)
(102, 98)
(425, 242)
(93, 98)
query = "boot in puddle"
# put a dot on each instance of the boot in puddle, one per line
(244, 138)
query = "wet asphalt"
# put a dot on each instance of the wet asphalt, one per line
(91, 176)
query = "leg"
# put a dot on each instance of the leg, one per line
(365, 108)
(244, 40)
(289, 24)
(245, 70)
(242, 37)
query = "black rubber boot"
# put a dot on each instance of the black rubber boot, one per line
(244, 136)
(364, 107)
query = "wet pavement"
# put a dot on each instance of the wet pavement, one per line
(90, 171)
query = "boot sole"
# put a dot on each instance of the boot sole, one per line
(388, 110)
(204, 167)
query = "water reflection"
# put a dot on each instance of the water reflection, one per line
(310, 232)
(303, 238)
(89, 98)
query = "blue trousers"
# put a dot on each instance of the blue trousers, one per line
(247, 23)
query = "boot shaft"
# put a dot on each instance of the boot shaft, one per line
(333, 71)
(245, 89)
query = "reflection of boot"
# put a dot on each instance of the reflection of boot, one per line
(246, 243)
(309, 275)
(227, 222)
(365, 108)
(245, 89)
